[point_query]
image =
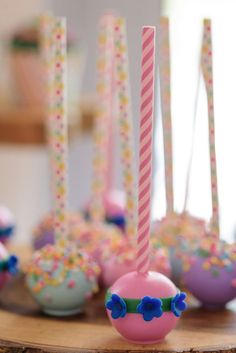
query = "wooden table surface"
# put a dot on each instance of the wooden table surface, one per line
(23, 328)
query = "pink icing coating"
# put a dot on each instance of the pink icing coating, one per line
(113, 267)
(114, 203)
(132, 327)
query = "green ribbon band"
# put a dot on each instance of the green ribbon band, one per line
(131, 304)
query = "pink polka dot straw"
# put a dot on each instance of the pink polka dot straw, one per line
(206, 63)
(145, 148)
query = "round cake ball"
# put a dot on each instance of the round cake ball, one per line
(8, 266)
(7, 224)
(61, 278)
(178, 233)
(114, 204)
(144, 308)
(119, 258)
(95, 238)
(210, 272)
(43, 233)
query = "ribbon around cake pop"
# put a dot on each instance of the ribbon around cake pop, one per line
(147, 306)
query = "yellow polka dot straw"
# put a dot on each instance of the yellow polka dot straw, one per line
(59, 128)
(46, 24)
(164, 72)
(103, 115)
(125, 122)
(206, 64)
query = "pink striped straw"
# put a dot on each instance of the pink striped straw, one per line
(145, 148)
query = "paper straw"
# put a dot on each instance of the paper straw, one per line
(46, 25)
(145, 148)
(60, 129)
(125, 122)
(164, 72)
(208, 79)
(103, 115)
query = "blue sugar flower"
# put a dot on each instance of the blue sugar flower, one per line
(150, 307)
(117, 306)
(12, 265)
(178, 304)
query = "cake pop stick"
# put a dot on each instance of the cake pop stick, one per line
(206, 62)
(103, 115)
(59, 126)
(144, 306)
(125, 122)
(166, 109)
(145, 148)
(46, 52)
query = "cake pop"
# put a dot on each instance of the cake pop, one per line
(8, 266)
(144, 306)
(61, 278)
(178, 233)
(210, 272)
(114, 207)
(7, 224)
(119, 258)
(213, 263)
(44, 232)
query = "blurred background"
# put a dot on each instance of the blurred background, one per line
(25, 176)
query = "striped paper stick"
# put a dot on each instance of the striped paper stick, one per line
(60, 129)
(103, 115)
(164, 71)
(125, 122)
(145, 148)
(206, 63)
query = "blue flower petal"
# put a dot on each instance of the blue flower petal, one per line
(150, 307)
(178, 305)
(117, 306)
(12, 265)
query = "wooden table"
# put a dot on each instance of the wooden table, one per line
(23, 328)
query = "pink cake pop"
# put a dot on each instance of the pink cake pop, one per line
(7, 224)
(8, 266)
(144, 306)
(114, 207)
(119, 258)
